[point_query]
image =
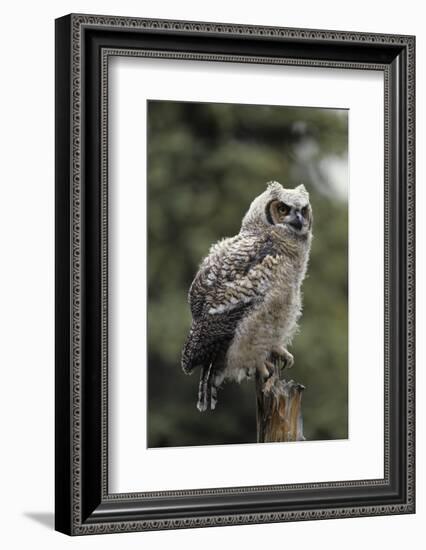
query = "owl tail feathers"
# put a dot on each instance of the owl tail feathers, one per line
(207, 390)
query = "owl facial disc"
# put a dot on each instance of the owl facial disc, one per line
(287, 209)
(295, 217)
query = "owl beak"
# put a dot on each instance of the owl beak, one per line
(296, 220)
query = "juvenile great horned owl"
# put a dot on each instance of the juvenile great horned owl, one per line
(246, 297)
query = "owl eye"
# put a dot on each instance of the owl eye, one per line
(283, 209)
(304, 211)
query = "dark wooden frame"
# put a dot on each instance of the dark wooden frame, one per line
(83, 46)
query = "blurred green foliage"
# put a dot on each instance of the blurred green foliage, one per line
(206, 163)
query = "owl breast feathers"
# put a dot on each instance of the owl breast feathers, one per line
(245, 299)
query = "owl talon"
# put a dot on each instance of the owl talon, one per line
(270, 368)
(284, 357)
(266, 370)
(289, 361)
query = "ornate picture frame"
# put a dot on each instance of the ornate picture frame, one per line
(84, 45)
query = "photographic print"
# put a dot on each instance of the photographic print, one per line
(230, 289)
(247, 273)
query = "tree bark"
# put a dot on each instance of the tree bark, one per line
(279, 409)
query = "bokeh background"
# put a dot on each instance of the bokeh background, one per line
(206, 163)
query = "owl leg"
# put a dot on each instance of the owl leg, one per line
(287, 359)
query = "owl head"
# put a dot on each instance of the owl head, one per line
(287, 209)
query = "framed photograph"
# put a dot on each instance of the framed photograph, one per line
(234, 274)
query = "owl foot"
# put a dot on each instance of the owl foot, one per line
(269, 384)
(284, 357)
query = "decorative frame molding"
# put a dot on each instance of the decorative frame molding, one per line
(84, 44)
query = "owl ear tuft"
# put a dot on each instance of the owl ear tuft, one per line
(274, 186)
(301, 189)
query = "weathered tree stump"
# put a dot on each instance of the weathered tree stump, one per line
(279, 409)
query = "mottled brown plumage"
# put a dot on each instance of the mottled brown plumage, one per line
(246, 297)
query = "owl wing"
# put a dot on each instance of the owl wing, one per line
(231, 280)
